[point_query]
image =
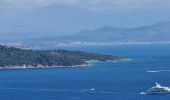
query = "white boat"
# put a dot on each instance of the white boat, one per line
(158, 89)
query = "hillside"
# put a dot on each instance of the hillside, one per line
(18, 58)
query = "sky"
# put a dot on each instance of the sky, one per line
(26, 19)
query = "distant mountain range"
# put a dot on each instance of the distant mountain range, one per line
(153, 33)
(159, 32)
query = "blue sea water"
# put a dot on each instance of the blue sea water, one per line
(102, 81)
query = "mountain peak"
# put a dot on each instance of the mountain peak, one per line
(107, 28)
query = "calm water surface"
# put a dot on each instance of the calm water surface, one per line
(102, 81)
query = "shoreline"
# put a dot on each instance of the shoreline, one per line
(120, 60)
(61, 66)
(37, 47)
(42, 67)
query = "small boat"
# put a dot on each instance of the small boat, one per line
(158, 89)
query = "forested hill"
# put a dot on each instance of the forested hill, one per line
(12, 57)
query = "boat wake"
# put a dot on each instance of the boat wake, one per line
(157, 71)
(92, 90)
(142, 93)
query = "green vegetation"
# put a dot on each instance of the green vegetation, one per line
(10, 56)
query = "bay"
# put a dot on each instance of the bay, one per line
(102, 81)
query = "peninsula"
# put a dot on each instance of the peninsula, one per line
(16, 58)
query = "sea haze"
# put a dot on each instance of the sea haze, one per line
(104, 80)
(152, 34)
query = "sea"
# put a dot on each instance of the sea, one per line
(149, 63)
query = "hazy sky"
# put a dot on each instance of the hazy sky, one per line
(39, 18)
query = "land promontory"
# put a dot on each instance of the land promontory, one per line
(16, 58)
